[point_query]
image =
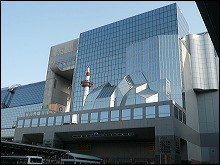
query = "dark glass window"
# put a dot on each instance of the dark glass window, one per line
(184, 118)
(175, 112)
(180, 115)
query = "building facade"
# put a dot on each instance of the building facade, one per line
(154, 99)
(16, 102)
(104, 50)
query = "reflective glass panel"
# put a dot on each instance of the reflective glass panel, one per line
(27, 122)
(34, 122)
(138, 113)
(150, 112)
(94, 117)
(84, 118)
(58, 120)
(75, 118)
(66, 119)
(9, 115)
(164, 110)
(28, 94)
(20, 123)
(50, 121)
(104, 116)
(126, 114)
(106, 92)
(43, 121)
(115, 115)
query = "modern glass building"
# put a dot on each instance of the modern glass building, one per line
(14, 104)
(155, 97)
(110, 49)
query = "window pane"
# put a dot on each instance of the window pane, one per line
(34, 122)
(150, 112)
(115, 115)
(20, 123)
(175, 112)
(180, 115)
(66, 119)
(27, 122)
(126, 114)
(58, 120)
(94, 117)
(75, 118)
(184, 118)
(104, 117)
(84, 118)
(138, 113)
(42, 121)
(164, 110)
(50, 121)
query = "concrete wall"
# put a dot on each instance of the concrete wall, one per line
(58, 88)
(208, 104)
(192, 118)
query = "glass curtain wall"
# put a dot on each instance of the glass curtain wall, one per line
(158, 58)
(104, 48)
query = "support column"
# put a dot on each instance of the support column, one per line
(167, 150)
(52, 140)
(167, 145)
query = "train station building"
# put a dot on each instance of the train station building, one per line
(139, 90)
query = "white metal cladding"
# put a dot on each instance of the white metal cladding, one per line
(204, 72)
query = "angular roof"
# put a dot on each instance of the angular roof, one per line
(25, 95)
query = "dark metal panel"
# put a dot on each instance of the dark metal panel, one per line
(209, 11)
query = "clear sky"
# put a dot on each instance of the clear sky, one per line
(30, 28)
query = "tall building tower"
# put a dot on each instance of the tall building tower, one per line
(86, 84)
